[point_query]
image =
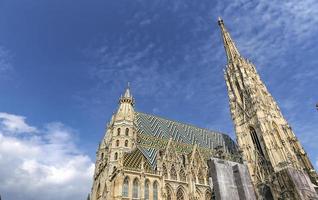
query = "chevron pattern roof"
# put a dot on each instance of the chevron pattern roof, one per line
(183, 133)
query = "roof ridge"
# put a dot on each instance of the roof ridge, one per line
(187, 124)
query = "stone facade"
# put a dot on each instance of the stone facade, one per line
(147, 157)
(267, 142)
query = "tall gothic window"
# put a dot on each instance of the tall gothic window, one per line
(182, 175)
(117, 143)
(127, 132)
(155, 190)
(116, 156)
(147, 190)
(256, 142)
(164, 171)
(201, 177)
(118, 131)
(169, 193)
(125, 187)
(126, 143)
(180, 195)
(173, 173)
(183, 160)
(135, 188)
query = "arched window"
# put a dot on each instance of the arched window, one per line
(180, 195)
(117, 143)
(201, 177)
(256, 141)
(182, 175)
(147, 190)
(164, 171)
(169, 193)
(102, 156)
(208, 195)
(116, 156)
(173, 173)
(125, 187)
(135, 188)
(98, 192)
(127, 131)
(126, 143)
(183, 160)
(155, 190)
(118, 131)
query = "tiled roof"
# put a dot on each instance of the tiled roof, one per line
(161, 128)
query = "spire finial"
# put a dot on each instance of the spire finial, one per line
(127, 97)
(220, 20)
(229, 45)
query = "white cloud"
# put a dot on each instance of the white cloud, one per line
(15, 124)
(44, 165)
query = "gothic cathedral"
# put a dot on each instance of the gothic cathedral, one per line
(147, 157)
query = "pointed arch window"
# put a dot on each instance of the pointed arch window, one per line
(126, 143)
(155, 190)
(164, 171)
(116, 156)
(183, 160)
(117, 143)
(127, 131)
(201, 177)
(135, 188)
(169, 193)
(118, 131)
(208, 195)
(182, 175)
(147, 189)
(173, 173)
(256, 141)
(125, 187)
(180, 194)
(102, 156)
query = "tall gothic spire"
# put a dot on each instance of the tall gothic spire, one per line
(229, 45)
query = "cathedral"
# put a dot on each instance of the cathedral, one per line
(147, 157)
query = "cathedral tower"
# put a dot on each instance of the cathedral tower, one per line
(266, 140)
(119, 138)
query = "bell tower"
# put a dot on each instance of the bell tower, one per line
(119, 138)
(266, 140)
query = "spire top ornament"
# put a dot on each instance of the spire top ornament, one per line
(229, 45)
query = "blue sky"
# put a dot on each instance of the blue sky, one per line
(64, 64)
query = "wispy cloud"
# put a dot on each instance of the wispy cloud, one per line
(5, 64)
(44, 165)
(173, 55)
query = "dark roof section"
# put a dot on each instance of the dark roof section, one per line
(183, 133)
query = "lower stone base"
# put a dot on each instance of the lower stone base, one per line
(296, 184)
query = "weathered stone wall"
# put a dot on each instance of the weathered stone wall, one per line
(297, 184)
(231, 180)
